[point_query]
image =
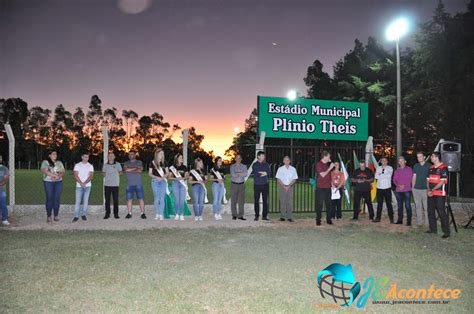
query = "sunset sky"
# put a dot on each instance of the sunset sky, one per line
(199, 63)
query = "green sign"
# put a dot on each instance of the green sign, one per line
(313, 118)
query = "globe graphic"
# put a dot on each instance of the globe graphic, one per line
(335, 290)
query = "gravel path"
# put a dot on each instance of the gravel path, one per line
(34, 218)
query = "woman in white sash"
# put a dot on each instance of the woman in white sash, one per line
(158, 173)
(179, 174)
(198, 180)
(216, 175)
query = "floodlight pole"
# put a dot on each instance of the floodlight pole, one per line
(11, 164)
(399, 105)
(105, 140)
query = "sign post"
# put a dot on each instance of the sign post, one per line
(11, 164)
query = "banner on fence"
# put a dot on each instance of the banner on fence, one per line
(313, 119)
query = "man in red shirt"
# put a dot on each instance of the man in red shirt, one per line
(323, 187)
(436, 189)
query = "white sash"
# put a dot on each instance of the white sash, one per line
(177, 175)
(199, 178)
(162, 174)
(218, 175)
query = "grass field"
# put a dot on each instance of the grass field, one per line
(30, 190)
(268, 269)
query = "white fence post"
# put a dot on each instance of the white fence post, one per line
(11, 164)
(185, 146)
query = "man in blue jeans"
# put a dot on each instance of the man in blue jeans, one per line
(133, 172)
(4, 177)
(83, 173)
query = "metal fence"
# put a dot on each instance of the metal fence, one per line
(304, 159)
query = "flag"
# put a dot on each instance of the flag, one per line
(347, 187)
(373, 191)
(369, 152)
(356, 160)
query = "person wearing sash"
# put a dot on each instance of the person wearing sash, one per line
(158, 173)
(286, 176)
(198, 180)
(178, 174)
(53, 172)
(238, 173)
(112, 171)
(216, 175)
(337, 187)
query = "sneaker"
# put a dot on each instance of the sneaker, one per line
(84, 217)
(196, 218)
(200, 218)
(219, 216)
(129, 215)
(161, 217)
(73, 220)
(157, 217)
(56, 218)
(49, 220)
(176, 217)
(216, 217)
(5, 223)
(143, 216)
(181, 217)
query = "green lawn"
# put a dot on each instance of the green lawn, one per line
(221, 270)
(30, 190)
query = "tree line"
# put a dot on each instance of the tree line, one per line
(38, 130)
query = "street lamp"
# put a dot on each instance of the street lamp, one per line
(394, 32)
(292, 94)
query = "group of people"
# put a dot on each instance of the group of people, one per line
(168, 184)
(426, 182)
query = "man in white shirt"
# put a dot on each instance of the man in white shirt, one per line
(286, 177)
(383, 175)
(83, 173)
